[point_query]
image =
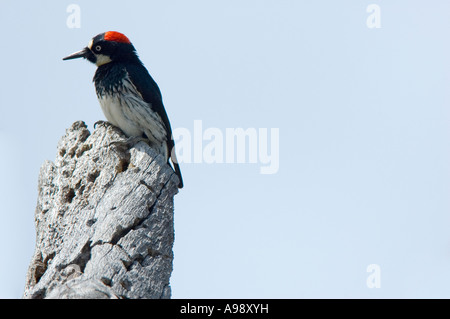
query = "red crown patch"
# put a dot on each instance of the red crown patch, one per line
(116, 37)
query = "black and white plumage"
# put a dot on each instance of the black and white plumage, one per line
(129, 97)
(124, 107)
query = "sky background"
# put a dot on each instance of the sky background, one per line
(363, 118)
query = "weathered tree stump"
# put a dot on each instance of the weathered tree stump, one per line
(104, 219)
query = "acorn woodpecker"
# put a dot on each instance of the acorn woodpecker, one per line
(128, 95)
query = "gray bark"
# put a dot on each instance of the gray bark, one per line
(104, 219)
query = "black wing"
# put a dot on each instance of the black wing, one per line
(151, 94)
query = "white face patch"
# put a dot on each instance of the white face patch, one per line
(102, 59)
(90, 44)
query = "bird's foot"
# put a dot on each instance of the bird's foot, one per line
(99, 123)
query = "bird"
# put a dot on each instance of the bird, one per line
(128, 95)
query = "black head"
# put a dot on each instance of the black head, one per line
(107, 47)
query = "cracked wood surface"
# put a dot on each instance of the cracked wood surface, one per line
(104, 219)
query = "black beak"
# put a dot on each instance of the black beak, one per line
(79, 54)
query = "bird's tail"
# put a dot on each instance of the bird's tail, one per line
(178, 172)
(176, 167)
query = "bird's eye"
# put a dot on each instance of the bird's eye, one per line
(98, 48)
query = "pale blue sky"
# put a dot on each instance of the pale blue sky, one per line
(363, 116)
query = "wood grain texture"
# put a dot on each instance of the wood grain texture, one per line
(104, 219)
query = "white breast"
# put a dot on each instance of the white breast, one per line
(113, 109)
(127, 110)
